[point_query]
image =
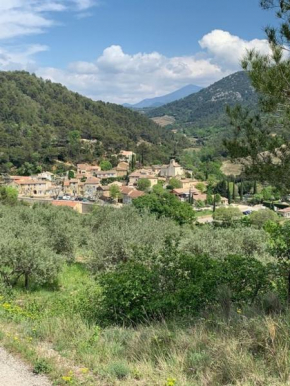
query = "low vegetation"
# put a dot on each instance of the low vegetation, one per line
(122, 297)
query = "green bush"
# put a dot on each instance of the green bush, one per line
(171, 283)
(115, 233)
(261, 217)
(227, 216)
(41, 366)
(119, 370)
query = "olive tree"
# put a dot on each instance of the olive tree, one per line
(117, 232)
(25, 251)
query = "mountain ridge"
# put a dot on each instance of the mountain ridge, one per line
(207, 107)
(42, 122)
(164, 99)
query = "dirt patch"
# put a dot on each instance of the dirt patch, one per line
(231, 169)
(164, 121)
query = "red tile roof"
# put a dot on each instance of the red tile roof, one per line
(136, 194)
(92, 180)
(285, 210)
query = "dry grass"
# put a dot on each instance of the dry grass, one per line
(231, 169)
(164, 121)
(244, 348)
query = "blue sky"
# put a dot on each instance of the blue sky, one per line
(127, 50)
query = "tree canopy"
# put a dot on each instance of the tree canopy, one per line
(262, 141)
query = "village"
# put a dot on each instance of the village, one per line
(87, 185)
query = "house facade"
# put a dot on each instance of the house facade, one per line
(171, 170)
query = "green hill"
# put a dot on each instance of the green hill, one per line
(207, 107)
(42, 122)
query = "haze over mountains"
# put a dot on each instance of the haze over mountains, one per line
(207, 107)
(162, 100)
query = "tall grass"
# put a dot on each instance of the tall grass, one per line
(243, 348)
(232, 347)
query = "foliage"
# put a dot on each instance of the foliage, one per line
(115, 191)
(280, 247)
(174, 283)
(105, 165)
(8, 195)
(219, 242)
(71, 174)
(115, 233)
(245, 340)
(227, 215)
(166, 205)
(143, 184)
(261, 217)
(199, 204)
(266, 155)
(201, 187)
(36, 241)
(46, 122)
(25, 250)
(174, 183)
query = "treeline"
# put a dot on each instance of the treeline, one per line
(146, 267)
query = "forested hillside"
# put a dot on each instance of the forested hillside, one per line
(207, 107)
(41, 122)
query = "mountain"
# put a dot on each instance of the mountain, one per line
(42, 123)
(162, 100)
(207, 107)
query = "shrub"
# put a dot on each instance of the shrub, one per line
(261, 217)
(41, 366)
(161, 285)
(117, 232)
(174, 183)
(8, 195)
(171, 283)
(219, 242)
(227, 215)
(143, 184)
(119, 370)
(166, 205)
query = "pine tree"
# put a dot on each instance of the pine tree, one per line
(270, 76)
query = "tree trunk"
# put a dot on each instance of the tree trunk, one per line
(26, 281)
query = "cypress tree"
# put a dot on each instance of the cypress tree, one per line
(242, 190)
(229, 194)
(234, 190)
(255, 187)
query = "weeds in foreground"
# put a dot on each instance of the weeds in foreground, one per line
(232, 346)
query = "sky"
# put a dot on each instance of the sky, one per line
(123, 51)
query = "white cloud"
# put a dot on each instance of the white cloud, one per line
(84, 4)
(227, 50)
(20, 58)
(115, 75)
(120, 77)
(27, 17)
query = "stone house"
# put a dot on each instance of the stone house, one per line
(171, 170)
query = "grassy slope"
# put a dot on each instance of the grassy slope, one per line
(245, 349)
